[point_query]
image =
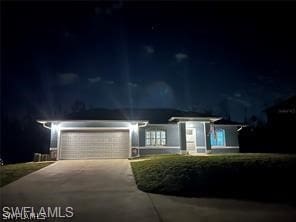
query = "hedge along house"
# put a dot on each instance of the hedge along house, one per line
(96, 139)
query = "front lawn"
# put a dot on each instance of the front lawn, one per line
(251, 176)
(12, 172)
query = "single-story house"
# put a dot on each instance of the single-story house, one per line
(95, 139)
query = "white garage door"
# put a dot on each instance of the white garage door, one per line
(94, 144)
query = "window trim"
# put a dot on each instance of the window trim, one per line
(155, 138)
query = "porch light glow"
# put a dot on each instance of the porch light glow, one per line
(189, 125)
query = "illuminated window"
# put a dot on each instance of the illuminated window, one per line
(218, 137)
(155, 138)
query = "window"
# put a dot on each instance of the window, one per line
(155, 138)
(218, 137)
(189, 132)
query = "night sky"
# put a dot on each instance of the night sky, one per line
(188, 56)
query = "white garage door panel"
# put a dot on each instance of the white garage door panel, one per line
(94, 144)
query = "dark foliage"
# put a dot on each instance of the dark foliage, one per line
(20, 138)
(277, 135)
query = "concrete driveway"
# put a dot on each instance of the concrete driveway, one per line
(104, 190)
(98, 190)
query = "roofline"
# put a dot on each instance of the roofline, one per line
(89, 120)
(44, 122)
(240, 125)
(210, 119)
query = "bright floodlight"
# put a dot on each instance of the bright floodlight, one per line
(134, 127)
(55, 127)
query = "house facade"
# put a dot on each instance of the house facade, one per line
(96, 139)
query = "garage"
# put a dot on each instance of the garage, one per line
(94, 144)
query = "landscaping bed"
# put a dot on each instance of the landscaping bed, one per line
(12, 172)
(250, 176)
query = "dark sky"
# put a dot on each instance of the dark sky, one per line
(200, 56)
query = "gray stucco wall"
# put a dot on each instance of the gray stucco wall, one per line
(182, 137)
(151, 151)
(225, 150)
(208, 138)
(172, 133)
(200, 150)
(53, 139)
(135, 139)
(231, 134)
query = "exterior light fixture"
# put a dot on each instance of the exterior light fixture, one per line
(134, 127)
(55, 127)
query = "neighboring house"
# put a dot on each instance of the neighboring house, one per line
(282, 113)
(281, 120)
(94, 139)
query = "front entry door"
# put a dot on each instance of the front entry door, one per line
(191, 140)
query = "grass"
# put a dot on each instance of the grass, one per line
(268, 177)
(12, 172)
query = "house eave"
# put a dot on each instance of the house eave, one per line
(141, 123)
(200, 119)
(128, 121)
(238, 125)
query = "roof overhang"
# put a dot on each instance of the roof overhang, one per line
(141, 123)
(200, 119)
(127, 121)
(238, 125)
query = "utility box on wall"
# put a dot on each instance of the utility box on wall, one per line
(53, 154)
